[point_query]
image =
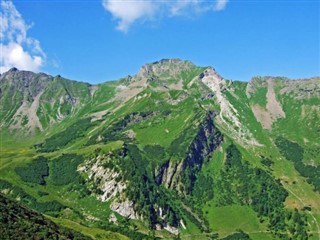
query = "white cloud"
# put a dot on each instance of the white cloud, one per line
(220, 5)
(129, 11)
(17, 49)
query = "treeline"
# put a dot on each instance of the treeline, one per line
(19, 222)
(294, 152)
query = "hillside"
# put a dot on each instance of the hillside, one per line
(19, 222)
(175, 151)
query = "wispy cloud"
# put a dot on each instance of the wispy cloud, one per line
(17, 49)
(126, 12)
(220, 5)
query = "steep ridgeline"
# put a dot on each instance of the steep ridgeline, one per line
(175, 151)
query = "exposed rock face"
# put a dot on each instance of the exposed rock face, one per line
(168, 173)
(113, 218)
(228, 113)
(125, 209)
(172, 174)
(279, 87)
(29, 112)
(103, 178)
(171, 229)
(298, 88)
(106, 180)
(254, 84)
(166, 69)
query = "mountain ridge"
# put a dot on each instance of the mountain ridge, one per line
(148, 74)
(164, 151)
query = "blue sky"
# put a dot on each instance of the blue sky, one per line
(97, 41)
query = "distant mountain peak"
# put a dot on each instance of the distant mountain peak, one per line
(211, 72)
(14, 69)
(164, 67)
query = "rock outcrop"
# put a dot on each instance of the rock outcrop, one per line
(103, 180)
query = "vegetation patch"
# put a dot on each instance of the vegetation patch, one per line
(237, 236)
(113, 132)
(50, 207)
(294, 152)
(155, 152)
(254, 187)
(35, 172)
(203, 189)
(64, 169)
(63, 138)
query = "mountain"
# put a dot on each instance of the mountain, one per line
(175, 151)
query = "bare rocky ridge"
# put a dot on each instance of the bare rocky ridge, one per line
(227, 111)
(166, 68)
(25, 89)
(302, 88)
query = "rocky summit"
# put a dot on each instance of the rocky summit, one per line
(173, 152)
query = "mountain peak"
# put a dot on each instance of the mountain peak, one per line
(14, 69)
(164, 67)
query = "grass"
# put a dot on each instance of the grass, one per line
(95, 233)
(260, 97)
(228, 219)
